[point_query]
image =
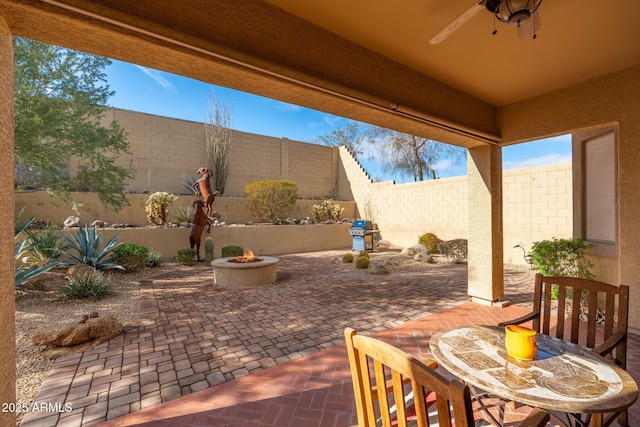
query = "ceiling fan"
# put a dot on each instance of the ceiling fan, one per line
(522, 14)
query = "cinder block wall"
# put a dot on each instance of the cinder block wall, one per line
(166, 153)
(537, 206)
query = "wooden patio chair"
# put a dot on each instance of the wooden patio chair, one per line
(599, 322)
(416, 394)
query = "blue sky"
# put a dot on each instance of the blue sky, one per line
(155, 92)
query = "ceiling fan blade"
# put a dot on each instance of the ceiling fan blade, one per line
(461, 19)
(530, 27)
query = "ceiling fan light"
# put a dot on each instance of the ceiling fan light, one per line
(514, 12)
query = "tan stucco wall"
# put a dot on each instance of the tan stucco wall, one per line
(232, 210)
(613, 99)
(166, 153)
(7, 298)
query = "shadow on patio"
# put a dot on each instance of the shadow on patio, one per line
(269, 356)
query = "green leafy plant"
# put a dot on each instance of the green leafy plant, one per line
(155, 259)
(562, 257)
(455, 250)
(86, 246)
(44, 245)
(328, 209)
(430, 241)
(271, 201)
(186, 256)
(182, 214)
(229, 251)
(157, 207)
(363, 254)
(347, 258)
(131, 256)
(94, 285)
(25, 272)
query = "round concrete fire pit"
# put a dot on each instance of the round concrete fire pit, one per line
(230, 274)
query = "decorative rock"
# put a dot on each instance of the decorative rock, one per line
(84, 318)
(49, 281)
(422, 257)
(72, 221)
(83, 270)
(413, 250)
(93, 314)
(378, 269)
(99, 330)
(98, 224)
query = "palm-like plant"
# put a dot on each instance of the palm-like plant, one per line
(24, 272)
(87, 248)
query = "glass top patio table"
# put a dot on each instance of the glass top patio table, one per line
(563, 377)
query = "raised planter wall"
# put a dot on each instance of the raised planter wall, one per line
(261, 239)
(233, 210)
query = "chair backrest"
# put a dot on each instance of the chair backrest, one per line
(599, 322)
(373, 362)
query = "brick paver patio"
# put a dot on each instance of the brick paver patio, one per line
(267, 356)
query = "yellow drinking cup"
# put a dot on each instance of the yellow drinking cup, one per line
(520, 342)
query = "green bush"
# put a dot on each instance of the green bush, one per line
(157, 207)
(23, 272)
(86, 247)
(182, 214)
(362, 262)
(155, 258)
(271, 201)
(45, 245)
(562, 257)
(328, 209)
(455, 250)
(81, 285)
(363, 254)
(430, 241)
(131, 256)
(186, 256)
(347, 258)
(231, 251)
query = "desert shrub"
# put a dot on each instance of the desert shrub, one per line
(94, 285)
(45, 245)
(347, 258)
(186, 256)
(182, 214)
(363, 254)
(328, 209)
(131, 256)
(157, 207)
(562, 257)
(155, 258)
(85, 246)
(454, 250)
(24, 272)
(362, 262)
(230, 251)
(430, 241)
(271, 201)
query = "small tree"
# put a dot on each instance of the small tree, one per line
(218, 136)
(271, 201)
(351, 135)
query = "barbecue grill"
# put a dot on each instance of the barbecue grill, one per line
(363, 235)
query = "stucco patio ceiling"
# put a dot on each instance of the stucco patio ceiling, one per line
(369, 60)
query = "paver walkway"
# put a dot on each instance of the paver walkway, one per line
(213, 345)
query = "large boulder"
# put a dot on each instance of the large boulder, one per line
(49, 281)
(95, 329)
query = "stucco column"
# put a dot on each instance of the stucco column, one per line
(486, 282)
(7, 283)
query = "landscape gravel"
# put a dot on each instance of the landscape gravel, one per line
(38, 311)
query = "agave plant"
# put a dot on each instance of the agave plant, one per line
(87, 248)
(24, 272)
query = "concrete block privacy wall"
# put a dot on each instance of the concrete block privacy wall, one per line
(166, 153)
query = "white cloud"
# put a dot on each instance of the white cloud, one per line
(547, 159)
(283, 106)
(155, 75)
